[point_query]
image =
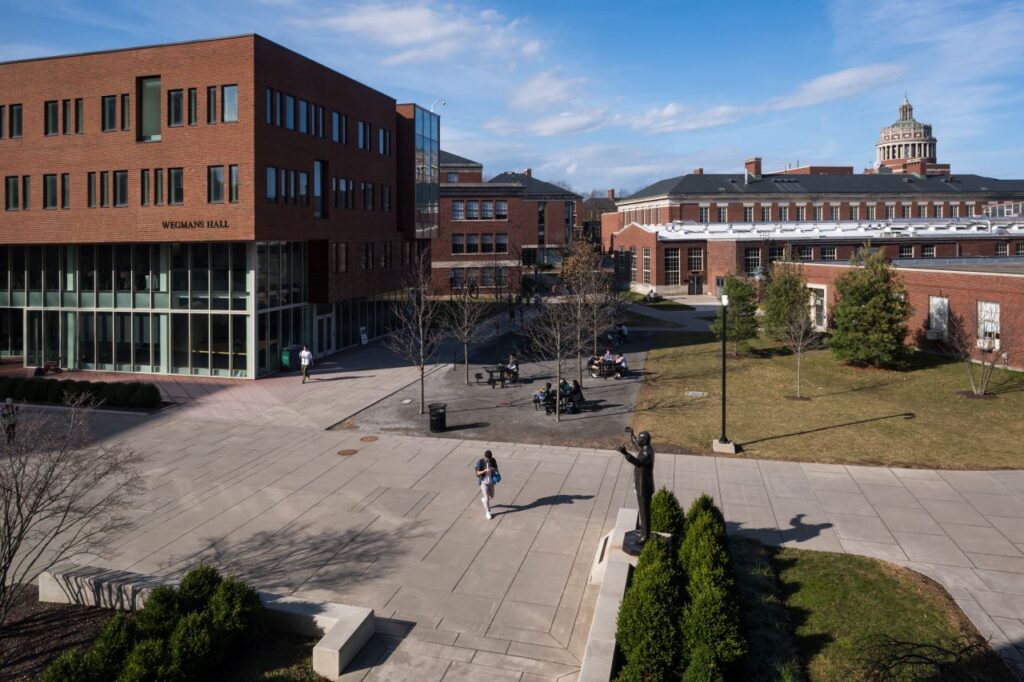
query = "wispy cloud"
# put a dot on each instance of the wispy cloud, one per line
(545, 89)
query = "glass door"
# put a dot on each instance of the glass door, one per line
(324, 335)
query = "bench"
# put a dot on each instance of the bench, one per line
(491, 371)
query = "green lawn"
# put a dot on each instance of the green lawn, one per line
(663, 304)
(835, 600)
(914, 418)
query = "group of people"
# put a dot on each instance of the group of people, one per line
(570, 395)
(609, 365)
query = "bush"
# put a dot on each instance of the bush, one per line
(147, 395)
(704, 503)
(192, 647)
(5, 387)
(112, 394)
(160, 615)
(104, 659)
(197, 587)
(647, 627)
(667, 516)
(703, 667)
(711, 619)
(703, 543)
(235, 610)
(54, 392)
(66, 668)
(147, 662)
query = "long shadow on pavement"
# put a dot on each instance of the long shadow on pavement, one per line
(547, 501)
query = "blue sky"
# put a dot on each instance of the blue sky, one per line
(613, 94)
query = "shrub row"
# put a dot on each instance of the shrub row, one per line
(180, 634)
(110, 394)
(678, 618)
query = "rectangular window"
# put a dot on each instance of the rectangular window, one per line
(26, 186)
(319, 175)
(304, 188)
(819, 213)
(1003, 249)
(801, 213)
(15, 128)
(906, 250)
(904, 211)
(233, 184)
(175, 186)
(303, 117)
(828, 253)
(148, 95)
(806, 253)
(158, 187)
(270, 106)
(344, 128)
(65, 190)
(79, 116)
(988, 325)
(350, 193)
(922, 211)
(341, 257)
(672, 266)
(50, 118)
(783, 213)
(104, 189)
(501, 209)
(144, 186)
(90, 190)
(271, 185)
(695, 259)
(215, 184)
(292, 193)
(928, 251)
(472, 243)
(211, 104)
(282, 185)
(871, 212)
(121, 188)
(855, 213)
(723, 214)
(890, 212)
(126, 114)
(751, 260)
(748, 214)
(1019, 250)
(277, 109)
(289, 112)
(385, 198)
(458, 243)
(175, 108)
(193, 106)
(472, 210)
(938, 316)
(766, 215)
(487, 243)
(834, 213)
(108, 108)
(229, 103)
(776, 253)
(11, 193)
(954, 211)
(647, 265)
(335, 127)
(3, 122)
(501, 243)
(380, 141)
(458, 210)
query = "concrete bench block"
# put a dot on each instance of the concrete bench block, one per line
(343, 641)
(93, 586)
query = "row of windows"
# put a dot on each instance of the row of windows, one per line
(800, 213)
(370, 255)
(180, 110)
(59, 113)
(288, 186)
(308, 118)
(480, 210)
(481, 277)
(14, 122)
(480, 243)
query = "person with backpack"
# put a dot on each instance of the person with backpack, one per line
(487, 475)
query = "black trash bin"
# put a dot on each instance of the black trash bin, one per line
(438, 417)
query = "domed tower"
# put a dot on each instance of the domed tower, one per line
(905, 141)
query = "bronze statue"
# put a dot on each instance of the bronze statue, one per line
(643, 477)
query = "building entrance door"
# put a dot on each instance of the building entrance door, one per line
(324, 335)
(695, 285)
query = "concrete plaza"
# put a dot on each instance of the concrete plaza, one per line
(246, 475)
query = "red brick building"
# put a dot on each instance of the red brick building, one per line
(195, 208)
(490, 232)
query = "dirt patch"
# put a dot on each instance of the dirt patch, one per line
(35, 633)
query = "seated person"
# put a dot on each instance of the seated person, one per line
(564, 388)
(607, 357)
(539, 396)
(576, 397)
(621, 367)
(512, 368)
(652, 295)
(623, 333)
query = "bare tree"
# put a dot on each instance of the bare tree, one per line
(61, 495)
(979, 351)
(799, 336)
(884, 658)
(552, 338)
(464, 318)
(787, 315)
(417, 332)
(588, 288)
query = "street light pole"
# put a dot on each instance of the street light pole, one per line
(723, 444)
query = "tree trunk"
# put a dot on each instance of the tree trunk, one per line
(558, 392)
(799, 356)
(969, 366)
(465, 359)
(423, 393)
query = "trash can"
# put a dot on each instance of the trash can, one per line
(290, 358)
(438, 417)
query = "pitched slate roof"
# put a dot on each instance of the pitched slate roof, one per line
(449, 159)
(532, 187)
(733, 184)
(600, 204)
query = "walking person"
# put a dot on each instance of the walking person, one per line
(487, 475)
(9, 419)
(306, 360)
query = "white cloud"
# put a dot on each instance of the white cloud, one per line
(675, 117)
(568, 122)
(545, 89)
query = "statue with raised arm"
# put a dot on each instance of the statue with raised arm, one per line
(643, 477)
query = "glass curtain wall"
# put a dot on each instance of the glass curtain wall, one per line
(282, 319)
(428, 172)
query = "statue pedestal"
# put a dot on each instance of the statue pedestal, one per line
(631, 543)
(612, 546)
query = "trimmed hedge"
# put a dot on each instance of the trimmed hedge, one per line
(180, 634)
(667, 515)
(107, 393)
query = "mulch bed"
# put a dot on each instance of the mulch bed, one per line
(35, 633)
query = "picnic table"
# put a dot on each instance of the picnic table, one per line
(491, 372)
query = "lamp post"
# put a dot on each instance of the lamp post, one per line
(723, 444)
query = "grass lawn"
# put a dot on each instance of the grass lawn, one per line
(834, 600)
(663, 304)
(914, 418)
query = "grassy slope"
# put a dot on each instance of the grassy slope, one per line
(856, 416)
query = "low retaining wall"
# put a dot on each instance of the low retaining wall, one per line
(343, 629)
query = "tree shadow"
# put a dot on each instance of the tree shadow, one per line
(809, 645)
(768, 353)
(465, 427)
(855, 389)
(904, 415)
(548, 501)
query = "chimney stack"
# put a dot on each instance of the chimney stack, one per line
(611, 194)
(698, 171)
(753, 167)
(528, 172)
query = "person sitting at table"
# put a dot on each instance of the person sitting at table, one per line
(621, 367)
(512, 368)
(545, 397)
(564, 388)
(607, 357)
(576, 397)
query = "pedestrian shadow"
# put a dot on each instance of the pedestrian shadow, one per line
(548, 501)
(798, 531)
